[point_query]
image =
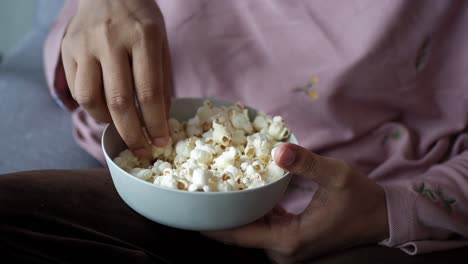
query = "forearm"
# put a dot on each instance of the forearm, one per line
(431, 212)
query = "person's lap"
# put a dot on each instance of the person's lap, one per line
(76, 216)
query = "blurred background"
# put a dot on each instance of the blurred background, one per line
(16, 19)
(35, 133)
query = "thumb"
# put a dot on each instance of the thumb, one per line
(327, 172)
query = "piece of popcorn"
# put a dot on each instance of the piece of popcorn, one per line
(200, 180)
(255, 184)
(224, 175)
(207, 188)
(162, 152)
(179, 160)
(252, 178)
(219, 149)
(258, 166)
(225, 159)
(244, 165)
(240, 120)
(250, 171)
(201, 156)
(249, 150)
(193, 127)
(168, 181)
(240, 149)
(265, 160)
(224, 187)
(221, 135)
(234, 172)
(261, 144)
(168, 172)
(201, 176)
(126, 160)
(200, 144)
(238, 138)
(236, 185)
(273, 172)
(273, 151)
(183, 148)
(187, 169)
(193, 188)
(182, 184)
(176, 130)
(143, 174)
(204, 114)
(194, 131)
(221, 117)
(159, 166)
(261, 121)
(278, 129)
(208, 137)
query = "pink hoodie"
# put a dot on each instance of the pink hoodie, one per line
(380, 84)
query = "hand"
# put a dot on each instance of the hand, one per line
(347, 210)
(116, 59)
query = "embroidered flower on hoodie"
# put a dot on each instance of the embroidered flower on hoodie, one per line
(307, 89)
(435, 195)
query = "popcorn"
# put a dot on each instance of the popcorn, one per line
(225, 159)
(234, 171)
(220, 134)
(200, 177)
(200, 180)
(179, 160)
(278, 129)
(217, 150)
(238, 138)
(201, 156)
(240, 120)
(162, 152)
(143, 174)
(159, 166)
(183, 148)
(261, 121)
(273, 172)
(193, 127)
(204, 114)
(168, 181)
(176, 130)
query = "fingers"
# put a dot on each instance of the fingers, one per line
(118, 87)
(88, 90)
(167, 76)
(69, 65)
(279, 233)
(149, 88)
(255, 235)
(328, 173)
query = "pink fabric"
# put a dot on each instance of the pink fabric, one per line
(55, 75)
(380, 84)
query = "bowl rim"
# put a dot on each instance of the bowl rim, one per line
(256, 189)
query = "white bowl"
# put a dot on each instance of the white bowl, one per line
(190, 210)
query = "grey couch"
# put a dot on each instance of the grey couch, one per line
(34, 132)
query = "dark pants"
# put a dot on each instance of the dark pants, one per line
(78, 217)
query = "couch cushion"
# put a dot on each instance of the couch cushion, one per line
(34, 132)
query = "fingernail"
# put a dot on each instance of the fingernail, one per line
(141, 153)
(160, 141)
(285, 157)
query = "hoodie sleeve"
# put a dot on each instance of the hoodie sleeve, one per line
(55, 74)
